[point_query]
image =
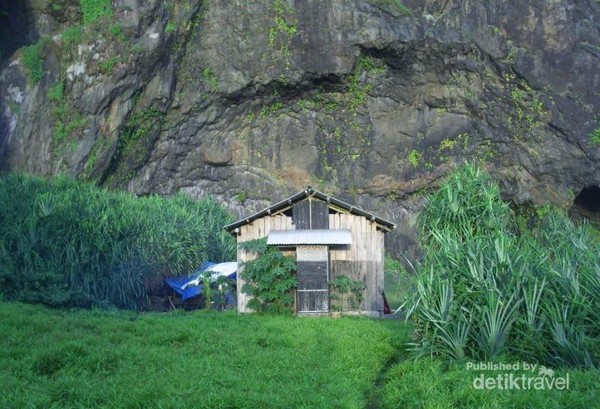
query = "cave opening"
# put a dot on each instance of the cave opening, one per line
(588, 200)
(15, 30)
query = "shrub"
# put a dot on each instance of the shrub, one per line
(93, 10)
(71, 37)
(33, 60)
(170, 28)
(414, 158)
(595, 137)
(66, 243)
(485, 288)
(269, 278)
(56, 93)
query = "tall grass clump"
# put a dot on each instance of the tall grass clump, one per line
(489, 286)
(67, 243)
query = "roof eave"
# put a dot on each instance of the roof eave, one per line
(383, 224)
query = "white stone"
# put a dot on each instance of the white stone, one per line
(15, 94)
(75, 70)
(81, 48)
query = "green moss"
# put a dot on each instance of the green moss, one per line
(170, 28)
(595, 137)
(284, 28)
(14, 107)
(107, 66)
(359, 87)
(271, 110)
(414, 158)
(139, 125)
(56, 93)
(67, 120)
(133, 145)
(241, 197)
(117, 32)
(210, 78)
(93, 10)
(447, 144)
(395, 6)
(66, 127)
(100, 147)
(71, 37)
(529, 110)
(33, 60)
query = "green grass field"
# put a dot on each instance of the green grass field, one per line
(87, 359)
(435, 384)
(115, 359)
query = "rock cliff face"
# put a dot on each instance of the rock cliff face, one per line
(374, 101)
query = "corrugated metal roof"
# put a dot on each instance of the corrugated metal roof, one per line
(309, 191)
(308, 237)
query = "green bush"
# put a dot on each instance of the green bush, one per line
(33, 60)
(56, 93)
(93, 10)
(595, 137)
(269, 278)
(66, 243)
(486, 288)
(72, 37)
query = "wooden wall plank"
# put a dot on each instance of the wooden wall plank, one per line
(302, 214)
(319, 215)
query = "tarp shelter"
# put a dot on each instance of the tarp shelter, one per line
(190, 287)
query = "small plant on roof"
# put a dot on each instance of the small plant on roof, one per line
(269, 278)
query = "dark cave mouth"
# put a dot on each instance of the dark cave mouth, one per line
(588, 200)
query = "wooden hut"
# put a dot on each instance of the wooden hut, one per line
(328, 238)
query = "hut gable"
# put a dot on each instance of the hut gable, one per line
(328, 237)
(305, 210)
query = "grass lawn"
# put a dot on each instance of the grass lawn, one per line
(433, 384)
(59, 358)
(89, 359)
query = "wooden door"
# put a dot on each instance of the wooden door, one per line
(313, 279)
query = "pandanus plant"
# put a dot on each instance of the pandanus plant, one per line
(486, 288)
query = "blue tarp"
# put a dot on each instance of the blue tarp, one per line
(189, 287)
(181, 285)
